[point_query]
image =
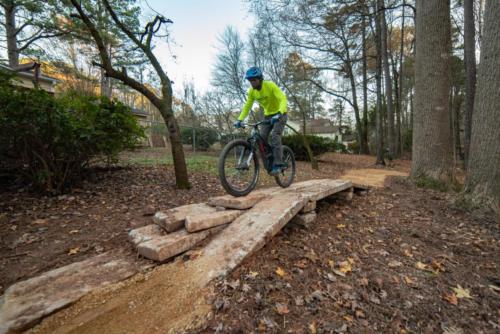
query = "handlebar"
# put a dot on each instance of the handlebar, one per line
(265, 121)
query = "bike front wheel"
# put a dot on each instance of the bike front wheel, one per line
(285, 178)
(238, 168)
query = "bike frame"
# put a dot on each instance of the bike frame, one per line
(257, 141)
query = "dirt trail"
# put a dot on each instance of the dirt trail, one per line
(170, 298)
(371, 177)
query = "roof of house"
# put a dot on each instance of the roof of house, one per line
(29, 74)
(139, 112)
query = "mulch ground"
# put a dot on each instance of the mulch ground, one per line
(400, 259)
(396, 260)
(40, 233)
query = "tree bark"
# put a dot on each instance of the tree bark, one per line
(401, 75)
(348, 63)
(388, 81)
(432, 145)
(181, 175)
(470, 70)
(455, 114)
(379, 135)
(11, 33)
(364, 137)
(483, 172)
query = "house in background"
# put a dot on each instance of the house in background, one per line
(29, 75)
(321, 127)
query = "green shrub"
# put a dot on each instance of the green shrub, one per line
(48, 141)
(319, 145)
(204, 137)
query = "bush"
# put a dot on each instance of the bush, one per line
(319, 145)
(204, 137)
(48, 141)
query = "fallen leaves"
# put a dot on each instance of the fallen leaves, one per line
(394, 263)
(408, 280)
(282, 309)
(280, 272)
(461, 292)
(312, 327)
(450, 298)
(408, 253)
(343, 267)
(302, 264)
(458, 293)
(348, 318)
(420, 265)
(437, 266)
(252, 274)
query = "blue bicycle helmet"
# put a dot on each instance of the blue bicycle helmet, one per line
(253, 72)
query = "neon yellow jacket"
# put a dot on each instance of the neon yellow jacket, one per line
(270, 97)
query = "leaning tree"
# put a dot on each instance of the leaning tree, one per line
(143, 42)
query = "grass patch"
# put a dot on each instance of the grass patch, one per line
(196, 162)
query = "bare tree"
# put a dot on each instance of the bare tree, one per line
(229, 66)
(328, 35)
(432, 144)
(483, 172)
(379, 143)
(163, 101)
(388, 80)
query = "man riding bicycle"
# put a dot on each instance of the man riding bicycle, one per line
(273, 100)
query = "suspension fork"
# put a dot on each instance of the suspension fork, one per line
(242, 155)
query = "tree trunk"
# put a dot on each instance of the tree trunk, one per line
(432, 145)
(397, 130)
(483, 172)
(456, 105)
(359, 129)
(401, 75)
(181, 174)
(105, 84)
(388, 81)
(470, 70)
(364, 136)
(379, 135)
(10, 32)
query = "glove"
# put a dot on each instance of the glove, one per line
(238, 124)
(275, 119)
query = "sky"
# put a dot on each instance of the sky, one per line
(197, 24)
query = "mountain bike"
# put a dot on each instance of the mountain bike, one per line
(239, 166)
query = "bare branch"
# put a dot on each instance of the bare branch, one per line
(34, 39)
(106, 61)
(147, 50)
(24, 25)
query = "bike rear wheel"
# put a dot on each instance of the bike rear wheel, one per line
(238, 168)
(285, 178)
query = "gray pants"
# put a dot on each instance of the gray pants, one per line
(276, 131)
